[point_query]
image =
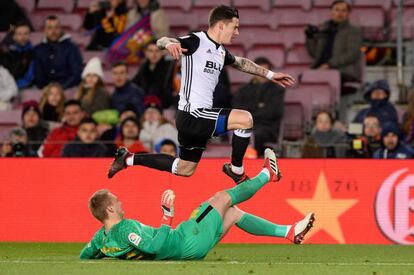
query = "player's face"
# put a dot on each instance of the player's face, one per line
(54, 96)
(30, 119)
(153, 54)
(168, 149)
(120, 75)
(371, 127)
(53, 30)
(117, 206)
(22, 35)
(339, 12)
(229, 31)
(87, 133)
(323, 123)
(73, 115)
(390, 141)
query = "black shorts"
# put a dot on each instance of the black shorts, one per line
(197, 127)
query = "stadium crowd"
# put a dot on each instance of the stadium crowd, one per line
(78, 115)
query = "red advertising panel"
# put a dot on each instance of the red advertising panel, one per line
(355, 201)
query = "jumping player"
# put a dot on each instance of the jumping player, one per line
(203, 56)
(193, 239)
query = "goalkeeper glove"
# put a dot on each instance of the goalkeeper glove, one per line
(167, 206)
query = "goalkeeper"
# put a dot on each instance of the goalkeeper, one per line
(193, 239)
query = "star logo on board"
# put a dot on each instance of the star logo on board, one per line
(327, 210)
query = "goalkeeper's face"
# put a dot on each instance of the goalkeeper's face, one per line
(117, 206)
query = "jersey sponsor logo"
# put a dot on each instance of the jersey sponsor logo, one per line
(211, 67)
(134, 238)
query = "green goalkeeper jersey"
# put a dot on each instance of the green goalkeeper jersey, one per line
(132, 240)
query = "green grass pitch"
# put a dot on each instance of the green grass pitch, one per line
(59, 258)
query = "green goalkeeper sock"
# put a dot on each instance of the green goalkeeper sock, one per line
(261, 227)
(248, 188)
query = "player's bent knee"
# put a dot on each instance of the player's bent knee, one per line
(223, 197)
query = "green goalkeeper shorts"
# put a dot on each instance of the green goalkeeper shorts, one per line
(201, 232)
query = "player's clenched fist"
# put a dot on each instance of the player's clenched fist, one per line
(167, 206)
(175, 50)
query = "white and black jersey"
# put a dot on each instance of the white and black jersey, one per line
(200, 69)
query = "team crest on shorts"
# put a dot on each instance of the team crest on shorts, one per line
(134, 238)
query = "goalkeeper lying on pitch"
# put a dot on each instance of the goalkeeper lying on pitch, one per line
(193, 239)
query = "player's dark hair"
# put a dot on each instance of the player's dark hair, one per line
(336, 2)
(71, 102)
(118, 64)
(220, 13)
(263, 60)
(88, 120)
(98, 203)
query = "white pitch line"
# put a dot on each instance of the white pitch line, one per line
(210, 263)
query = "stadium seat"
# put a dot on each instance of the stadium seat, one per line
(31, 94)
(322, 3)
(384, 4)
(36, 38)
(276, 55)
(293, 123)
(67, 5)
(368, 17)
(10, 117)
(71, 22)
(257, 18)
(304, 4)
(330, 77)
(81, 39)
(27, 5)
(407, 23)
(237, 77)
(293, 17)
(210, 3)
(264, 5)
(178, 19)
(184, 5)
(82, 5)
(236, 49)
(298, 55)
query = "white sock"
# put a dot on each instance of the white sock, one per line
(266, 171)
(174, 166)
(237, 170)
(130, 160)
(287, 229)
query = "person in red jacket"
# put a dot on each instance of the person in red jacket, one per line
(129, 136)
(72, 116)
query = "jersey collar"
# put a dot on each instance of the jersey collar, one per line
(209, 38)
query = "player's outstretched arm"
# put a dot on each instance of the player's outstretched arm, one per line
(172, 45)
(246, 65)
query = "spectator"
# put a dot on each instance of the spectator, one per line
(8, 89)
(52, 102)
(109, 136)
(72, 116)
(57, 58)
(168, 147)
(155, 127)
(265, 101)
(336, 43)
(36, 129)
(86, 142)
(378, 95)
(107, 19)
(126, 93)
(11, 14)
(158, 18)
(408, 121)
(325, 136)
(129, 136)
(155, 76)
(392, 147)
(19, 55)
(365, 145)
(92, 93)
(16, 145)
